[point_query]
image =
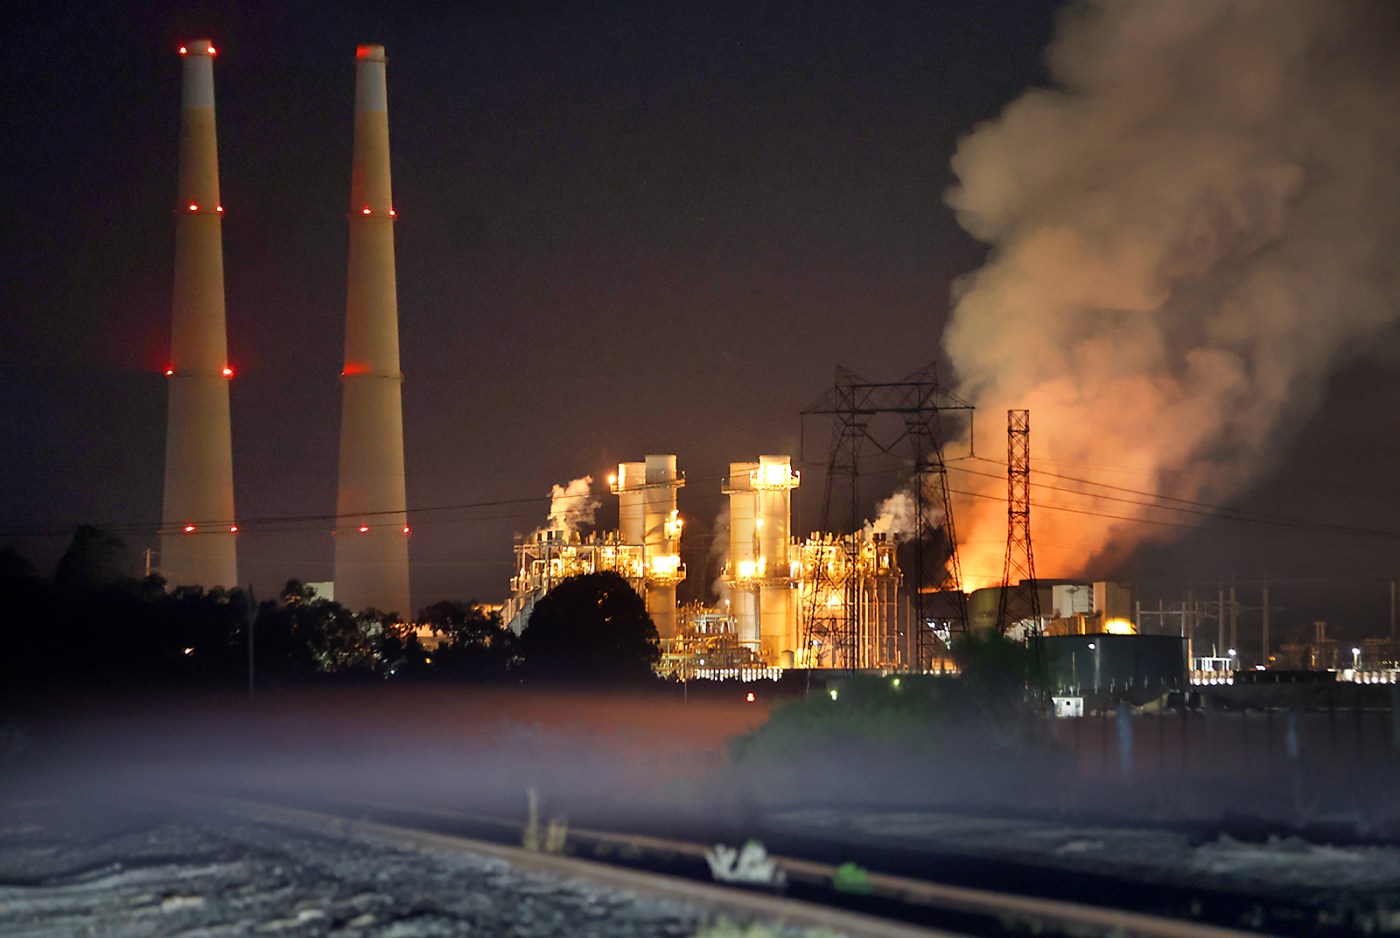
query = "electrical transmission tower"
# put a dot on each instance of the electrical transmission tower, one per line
(1019, 598)
(918, 404)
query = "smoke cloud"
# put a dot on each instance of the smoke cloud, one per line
(1190, 232)
(572, 505)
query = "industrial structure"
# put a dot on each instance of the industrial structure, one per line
(371, 538)
(647, 515)
(198, 530)
(644, 551)
(781, 590)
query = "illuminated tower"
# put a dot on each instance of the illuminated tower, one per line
(759, 571)
(647, 515)
(371, 544)
(197, 527)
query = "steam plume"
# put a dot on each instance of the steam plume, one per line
(898, 514)
(572, 505)
(1189, 233)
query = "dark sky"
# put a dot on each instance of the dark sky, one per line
(624, 228)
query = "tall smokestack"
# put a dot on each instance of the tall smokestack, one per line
(371, 545)
(197, 527)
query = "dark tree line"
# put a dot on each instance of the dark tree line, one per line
(93, 627)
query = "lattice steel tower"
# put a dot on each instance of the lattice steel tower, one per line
(1019, 598)
(918, 402)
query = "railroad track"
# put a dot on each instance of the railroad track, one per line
(883, 906)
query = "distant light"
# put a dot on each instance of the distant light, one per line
(213, 51)
(233, 529)
(1232, 652)
(228, 372)
(169, 372)
(1091, 646)
(364, 529)
(405, 529)
(184, 51)
(750, 697)
(194, 206)
(219, 209)
(365, 210)
(895, 682)
(393, 213)
(833, 695)
(189, 651)
(189, 529)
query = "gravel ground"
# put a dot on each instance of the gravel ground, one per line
(136, 873)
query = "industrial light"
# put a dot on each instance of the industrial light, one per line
(213, 51)
(194, 206)
(392, 212)
(219, 209)
(405, 529)
(170, 372)
(365, 210)
(189, 529)
(233, 529)
(364, 529)
(184, 51)
(228, 372)
(750, 697)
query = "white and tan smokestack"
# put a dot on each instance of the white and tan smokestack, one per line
(197, 521)
(759, 571)
(371, 544)
(647, 515)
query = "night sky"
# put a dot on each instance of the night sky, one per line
(624, 228)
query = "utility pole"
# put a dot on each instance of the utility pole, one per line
(1265, 604)
(252, 620)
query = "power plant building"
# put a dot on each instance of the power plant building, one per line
(371, 538)
(197, 533)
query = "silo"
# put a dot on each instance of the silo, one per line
(647, 515)
(773, 482)
(743, 573)
(371, 544)
(197, 520)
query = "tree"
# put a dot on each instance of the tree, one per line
(592, 628)
(473, 644)
(94, 560)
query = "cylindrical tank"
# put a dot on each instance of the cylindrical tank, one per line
(197, 517)
(631, 477)
(371, 545)
(743, 553)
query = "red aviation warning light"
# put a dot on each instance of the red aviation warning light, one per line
(170, 372)
(184, 51)
(233, 529)
(219, 209)
(194, 206)
(213, 51)
(228, 372)
(405, 529)
(189, 529)
(364, 529)
(365, 210)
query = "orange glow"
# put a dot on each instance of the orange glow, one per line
(194, 206)
(233, 529)
(355, 368)
(189, 529)
(364, 529)
(228, 372)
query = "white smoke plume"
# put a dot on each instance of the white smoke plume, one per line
(719, 552)
(572, 505)
(1190, 231)
(898, 515)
